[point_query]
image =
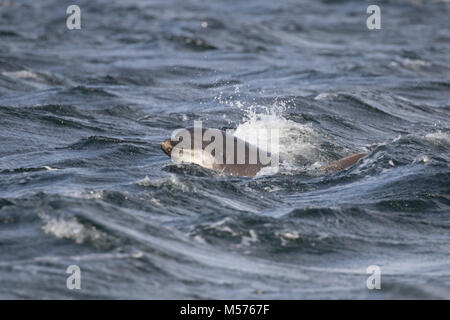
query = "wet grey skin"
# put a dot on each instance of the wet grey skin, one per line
(246, 169)
(250, 170)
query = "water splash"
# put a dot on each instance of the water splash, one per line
(267, 127)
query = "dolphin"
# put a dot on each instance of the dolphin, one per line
(231, 156)
(240, 159)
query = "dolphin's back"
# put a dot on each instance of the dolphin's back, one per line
(248, 163)
(343, 163)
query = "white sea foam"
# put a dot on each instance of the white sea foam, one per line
(267, 171)
(24, 75)
(69, 229)
(413, 64)
(248, 240)
(146, 182)
(50, 168)
(295, 140)
(438, 137)
(171, 180)
(326, 96)
(86, 194)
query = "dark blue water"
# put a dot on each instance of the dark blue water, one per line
(83, 180)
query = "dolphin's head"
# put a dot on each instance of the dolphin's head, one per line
(185, 152)
(168, 145)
